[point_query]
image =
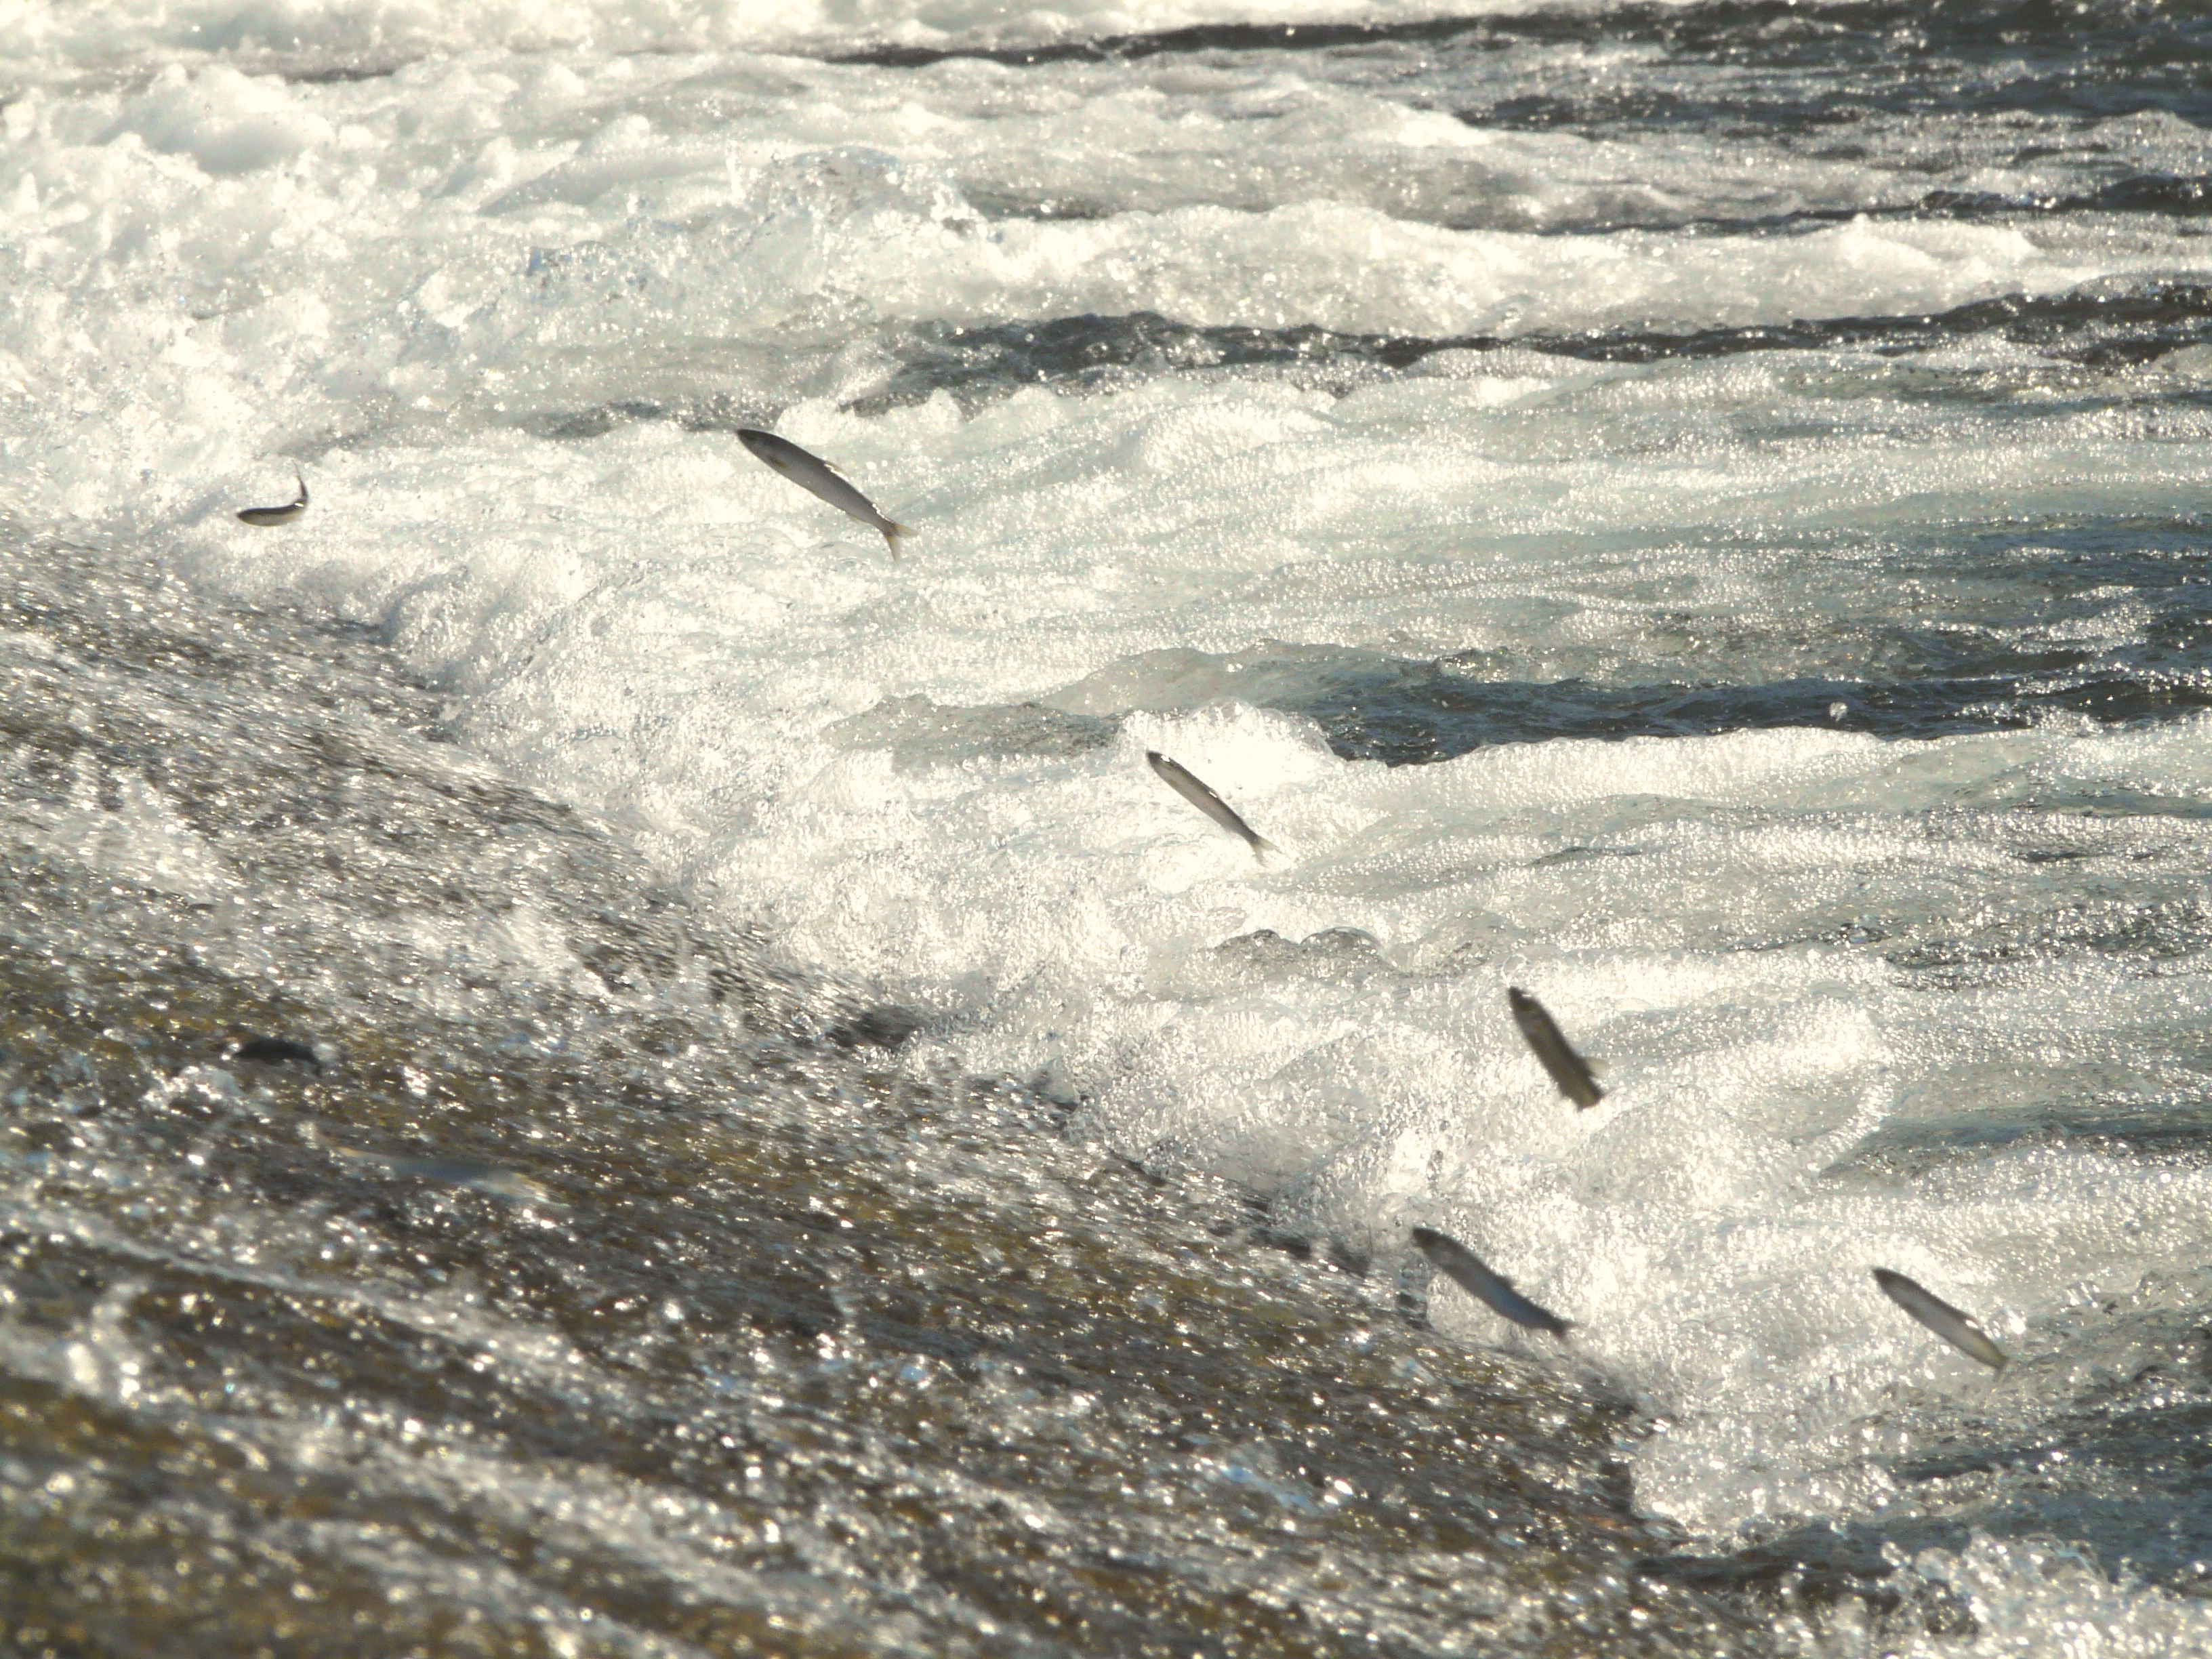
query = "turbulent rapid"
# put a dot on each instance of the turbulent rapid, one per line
(1693, 515)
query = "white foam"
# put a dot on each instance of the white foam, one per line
(1684, 906)
(479, 238)
(405, 284)
(388, 29)
(2061, 1594)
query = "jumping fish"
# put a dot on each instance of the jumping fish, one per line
(1957, 1329)
(487, 1178)
(1568, 1069)
(1180, 780)
(278, 1051)
(818, 477)
(284, 514)
(1461, 1266)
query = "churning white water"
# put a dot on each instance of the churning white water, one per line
(1698, 513)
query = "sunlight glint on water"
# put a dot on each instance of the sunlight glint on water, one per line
(1695, 511)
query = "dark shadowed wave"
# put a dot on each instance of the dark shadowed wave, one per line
(1415, 712)
(2096, 60)
(2098, 328)
(2108, 326)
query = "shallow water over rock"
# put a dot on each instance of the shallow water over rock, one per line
(576, 1289)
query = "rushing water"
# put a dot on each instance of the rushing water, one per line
(1698, 511)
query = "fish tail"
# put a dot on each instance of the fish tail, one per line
(894, 534)
(1261, 846)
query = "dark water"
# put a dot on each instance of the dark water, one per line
(2120, 324)
(2111, 326)
(1408, 713)
(1976, 654)
(1820, 70)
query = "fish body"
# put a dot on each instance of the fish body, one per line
(272, 515)
(818, 477)
(487, 1178)
(1465, 1269)
(278, 1051)
(1569, 1069)
(1180, 780)
(1955, 1328)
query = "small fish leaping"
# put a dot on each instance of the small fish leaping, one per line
(487, 1178)
(1961, 1330)
(1465, 1269)
(1569, 1070)
(265, 516)
(1180, 778)
(277, 1051)
(818, 477)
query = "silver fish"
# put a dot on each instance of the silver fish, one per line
(487, 1178)
(1957, 1329)
(817, 476)
(1568, 1069)
(284, 514)
(1460, 1265)
(490, 1178)
(1180, 780)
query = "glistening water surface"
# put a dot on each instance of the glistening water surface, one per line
(1698, 511)
(575, 1285)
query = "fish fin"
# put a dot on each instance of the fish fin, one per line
(302, 478)
(894, 534)
(1261, 846)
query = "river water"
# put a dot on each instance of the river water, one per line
(809, 1147)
